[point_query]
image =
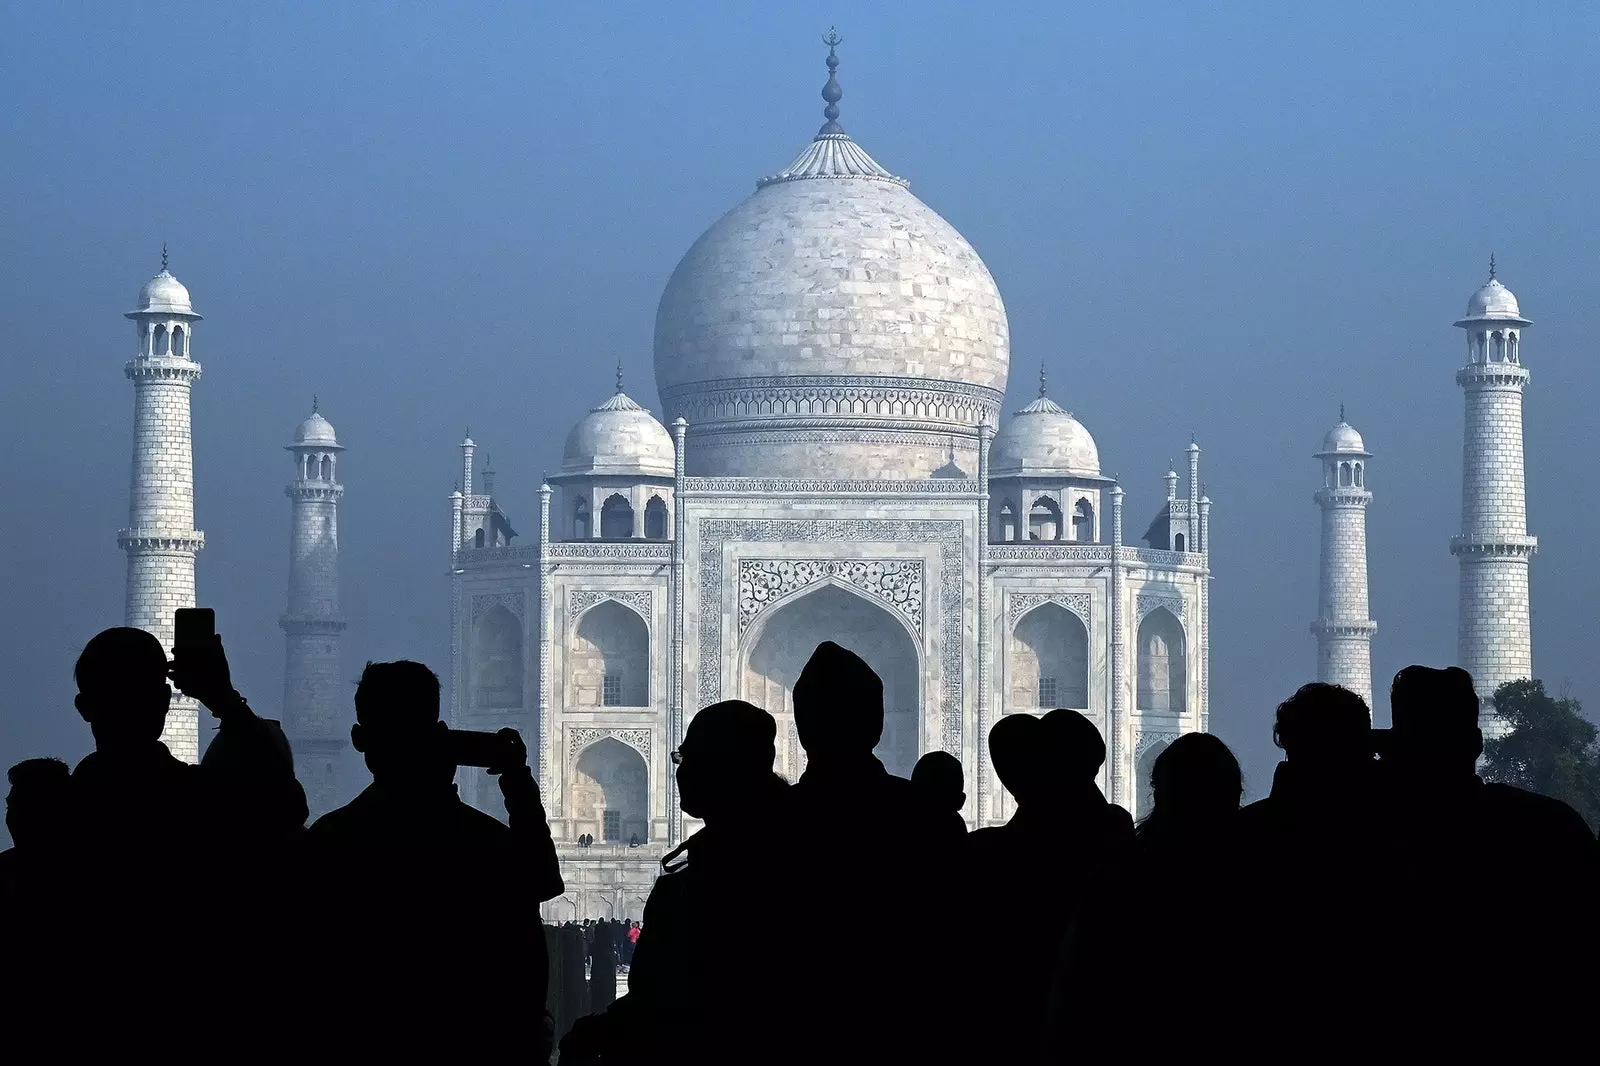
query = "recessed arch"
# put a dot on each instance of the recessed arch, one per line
(610, 792)
(1047, 659)
(580, 520)
(609, 660)
(1083, 521)
(1162, 663)
(655, 519)
(1007, 521)
(616, 518)
(778, 646)
(496, 660)
(1044, 519)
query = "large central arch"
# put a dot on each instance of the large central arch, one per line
(789, 634)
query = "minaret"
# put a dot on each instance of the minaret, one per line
(1343, 628)
(316, 699)
(1494, 631)
(160, 539)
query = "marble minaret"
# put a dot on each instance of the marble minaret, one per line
(1494, 627)
(160, 539)
(1343, 628)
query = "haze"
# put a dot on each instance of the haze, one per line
(1226, 223)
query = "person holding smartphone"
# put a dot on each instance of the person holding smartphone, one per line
(430, 906)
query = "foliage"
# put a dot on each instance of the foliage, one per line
(1551, 748)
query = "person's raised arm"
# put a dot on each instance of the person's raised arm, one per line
(525, 811)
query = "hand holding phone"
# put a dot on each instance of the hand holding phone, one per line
(199, 666)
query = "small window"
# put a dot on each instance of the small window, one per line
(611, 825)
(1047, 692)
(477, 539)
(1178, 543)
(611, 691)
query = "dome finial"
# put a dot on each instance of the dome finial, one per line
(1041, 379)
(831, 91)
(1491, 266)
(163, 257)
(619, 377)
(313, 403)
(1341, 412)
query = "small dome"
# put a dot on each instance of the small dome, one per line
(1343, 438)
(164, 294)
(1493, 300)
(619, 437)
(1043, 440)
(316, 430)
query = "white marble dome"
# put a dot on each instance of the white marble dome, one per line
(1493, 300)
(1042, 440)
(315, 430)
(1343, 438)
(832, 324)
(619, 437)
(164, 294)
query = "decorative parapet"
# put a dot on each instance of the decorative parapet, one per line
(824, 400)
(1100, 554)
(944, 488)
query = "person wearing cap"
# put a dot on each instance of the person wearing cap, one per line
(690, 998)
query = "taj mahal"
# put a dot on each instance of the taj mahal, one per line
(831, 459)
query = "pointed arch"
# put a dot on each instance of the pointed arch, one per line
(1162, 663)
(608, 664)
(580, 520)
(1007, 519)
(497, 659)
(610, 794)
(616, 518)
(1083, 521)
(655, 519)
(1044, 519)
(1047, 659)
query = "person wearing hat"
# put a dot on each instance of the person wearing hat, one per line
(689, 995)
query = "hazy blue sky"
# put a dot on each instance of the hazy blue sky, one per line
(433, 215)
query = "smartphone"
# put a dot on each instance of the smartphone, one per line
(193, 627)
(471, 748)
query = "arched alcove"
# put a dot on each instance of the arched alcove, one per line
(1179, 542)
(497, 659)
(1083, 521)
(609, 662)
(655, 519)
(1163, 678)
(792, 631)
(580, 520)
(326, 473)
(611, 793)
(1044, 520)
(1048, 660)
(1008, 522)
(180, 341)
(616, 518)
(158, 346)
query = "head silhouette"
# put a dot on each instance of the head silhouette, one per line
(397, 725)
(36, 805)
(1014, 746)
(938, 775)
(725, 760)
(1196, 779)
(122, 689)
(1073, 746)
(838, 704)
(1435, 719)
(1324, 728)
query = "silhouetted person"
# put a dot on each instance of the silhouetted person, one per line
(38, 817)
(1185, 845)
(1314, 853)
(866, 844)
(938, 776)
(426, 908)
(691, 997)
(34, 881)
(1491, 878)
(154, 837)
(1063, 834)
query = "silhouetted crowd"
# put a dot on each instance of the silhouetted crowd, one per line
(1372, 906)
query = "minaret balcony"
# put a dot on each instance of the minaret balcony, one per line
(1502, 547)
(1323, 627)
(1478, 375)
(161, 540)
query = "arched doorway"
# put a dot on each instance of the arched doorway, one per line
(1163, 672)
(609, 662)
(1049, 660)
(497, 659)
(792, 632)
(611, 793)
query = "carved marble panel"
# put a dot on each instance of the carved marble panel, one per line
(1149, 601)
(580, 737)
(580, 600)
(1019, 604)
(514, 601)
(895, 582)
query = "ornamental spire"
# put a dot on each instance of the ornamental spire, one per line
(1341, 412)
(164, 257)
(1041, 379)
(619, 377)
(313, 403)
(831, 91)
(1491, 265)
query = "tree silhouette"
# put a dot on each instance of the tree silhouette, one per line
(1551, 748)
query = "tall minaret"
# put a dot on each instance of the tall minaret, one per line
(1494, 631)
(1343, 628)
(316, 699)
(160, 539)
